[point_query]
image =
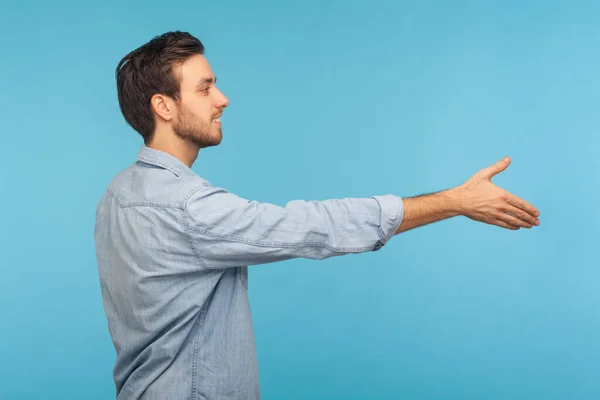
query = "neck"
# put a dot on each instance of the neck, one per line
(184, 151)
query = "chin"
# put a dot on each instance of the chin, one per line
(212, 140)
(218, 137)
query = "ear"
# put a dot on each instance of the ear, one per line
(162, 106)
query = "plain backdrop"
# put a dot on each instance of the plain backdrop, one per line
(329, 99)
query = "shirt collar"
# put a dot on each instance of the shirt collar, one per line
(164, 160)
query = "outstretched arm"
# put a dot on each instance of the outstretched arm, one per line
(227, 231)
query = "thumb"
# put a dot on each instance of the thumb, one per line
(498, 167)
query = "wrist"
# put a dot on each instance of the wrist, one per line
(455, 200)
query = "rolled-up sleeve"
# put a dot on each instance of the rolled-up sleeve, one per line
(226, 230)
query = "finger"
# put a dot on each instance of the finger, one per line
(523, 205)
(509, 219)
(505, 225)
(522, 215)
(498, 167)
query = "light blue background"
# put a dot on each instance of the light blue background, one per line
(328, 99)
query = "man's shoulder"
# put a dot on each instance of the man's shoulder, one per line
(146, 185)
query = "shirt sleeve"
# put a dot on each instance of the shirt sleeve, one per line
(228, 231)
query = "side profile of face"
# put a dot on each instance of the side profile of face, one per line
(201, 104)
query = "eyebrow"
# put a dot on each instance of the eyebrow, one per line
(206, 81)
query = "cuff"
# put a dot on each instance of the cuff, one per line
(392, 213)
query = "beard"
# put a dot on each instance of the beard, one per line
(195, 130)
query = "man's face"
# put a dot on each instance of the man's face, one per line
(201, 104)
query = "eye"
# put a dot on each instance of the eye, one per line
(205, 90)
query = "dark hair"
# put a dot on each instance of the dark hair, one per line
(148, 70)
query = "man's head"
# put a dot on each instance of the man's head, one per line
(167, 86)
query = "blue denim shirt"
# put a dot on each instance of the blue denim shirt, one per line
(173, 253)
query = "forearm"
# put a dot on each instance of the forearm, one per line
(426, 209)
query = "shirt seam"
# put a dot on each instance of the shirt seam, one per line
(196, 340)
(276, 244)
(129, 204)
(186, 224)
(186, 228)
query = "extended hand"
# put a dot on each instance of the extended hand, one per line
(482, 201)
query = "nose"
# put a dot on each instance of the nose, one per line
(222, 101)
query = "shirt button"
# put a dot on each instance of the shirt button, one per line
(378, 245)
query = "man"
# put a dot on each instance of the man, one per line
(173, 250)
